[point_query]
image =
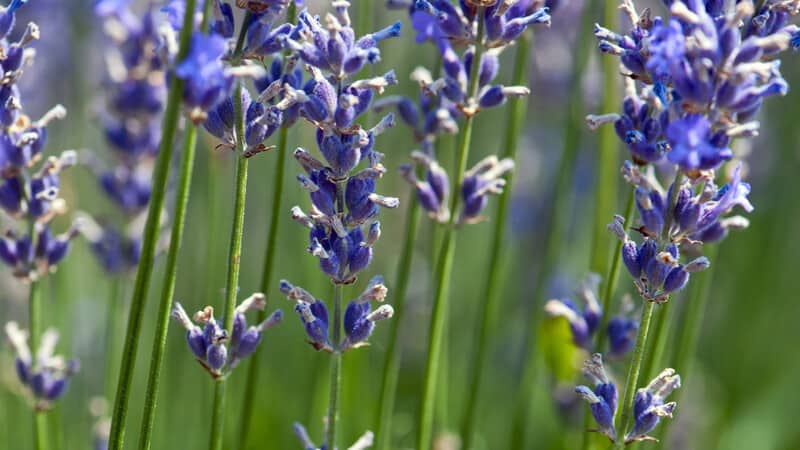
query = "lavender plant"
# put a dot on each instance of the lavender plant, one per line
(486, 27)
(130, 119)
(242, 124)
(343, 217)
(694, 82)
(30, 198)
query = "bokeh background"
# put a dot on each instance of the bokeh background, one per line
(742, 393)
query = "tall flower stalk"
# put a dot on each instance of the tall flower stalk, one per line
(149, 242)
(131, 122)
(29, 196)
(343, 217)
(694, 81)
(492, 291)
(466, 84)
(168, 288)
(250, 392)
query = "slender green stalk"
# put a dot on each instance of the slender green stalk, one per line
(41, 441)
(613, 276)
(557, 218)
(491, 295)
(336, 369)
(235, 246)
(688, 330)
(444, 266)
(266, 280)
(269, 266)
(608, 160)
(149, 242)
(633, 374)
(218, 415)
(35, 325)
(114, 316)
(168, 289)
(610, 285)
(391, 365)
(655, 354)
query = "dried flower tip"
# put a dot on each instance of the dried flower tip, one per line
(300, 217)
(595, 121)
(374, 234)
(386, 202)
(256, 301)
(274, 319)
(697, 265)
(381, 313)
(364, 442)
(57, 112)
(386, 123)
(735, 223)
(205, 315)
(307, 160)
(179, 314)
(593, 369)
(378, 84)
(617, 226)
(19, 340)
(422, 76)
(375, 291)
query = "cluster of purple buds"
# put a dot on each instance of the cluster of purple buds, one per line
(505, 20)
(434, 116)
(333, 48)
(44, 374)
(219, 350)
(364, 442)
(699, 210)
(207, 82)
(342, 219)
(131, 120)
(705, 73)
(434, 191)
(621, 329)
(359, 317)
(655, 266)
(648, 407)
(35, 198)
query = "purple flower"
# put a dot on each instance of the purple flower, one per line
(206, 82)
(44, 374)
(218, 350)
(693, 146)
(649, 406)
(603, 399)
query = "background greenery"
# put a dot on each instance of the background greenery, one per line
(742, 394)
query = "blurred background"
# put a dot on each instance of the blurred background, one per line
(742, 393)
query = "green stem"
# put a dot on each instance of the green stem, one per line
(612, 277)
(391, 365)
(690, 327)
(658, 341)
(444, 266)
(218, 415)
(491, 295)
(35, 318)
(608, 160)
(336, 368)
(235, 245)
(114, 316)
(40, 430)
(149, 242)
(633, 374)
(558, 216)
(266, 279)
(168, 289)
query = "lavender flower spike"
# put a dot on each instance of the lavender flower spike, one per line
(649, 406)
(218, 350)
(603, 399)
(44, 375)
